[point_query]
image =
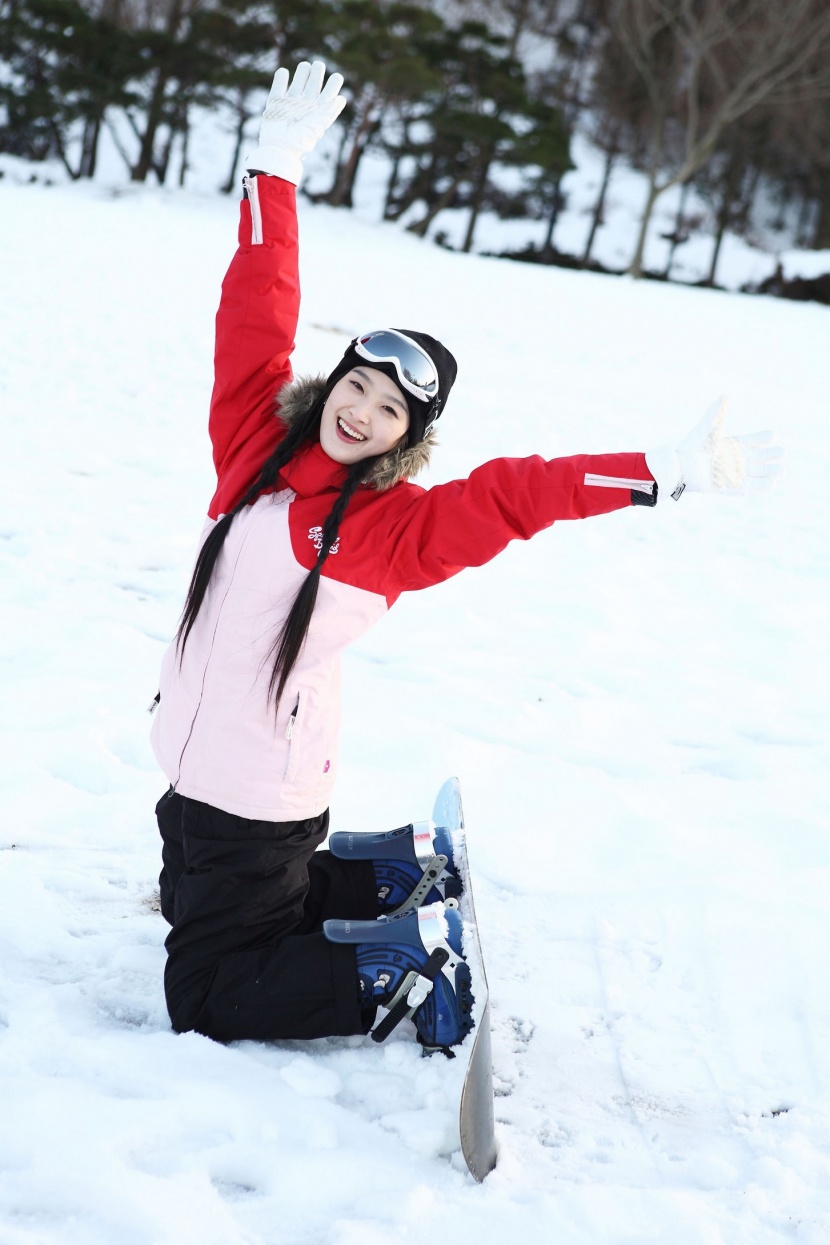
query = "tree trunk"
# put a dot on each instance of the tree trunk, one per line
(242, 117)
(553, 217)
(478, 196)
(654, 191)
(338, 167)
(730, 185)
(599, 208)
(424, 176)
(154, 115)
(677, 237)
(116, 140)
(161, 165)
(54, 128)
(719, 232)
(780, 222)
(155, 109)
(185, 147)
(89, 145)
(748, 197)
(57, 139)
(420, 227)
(391, 187)
(821, 227)
(635, 268)
(341, 195)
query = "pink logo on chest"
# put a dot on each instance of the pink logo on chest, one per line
(327, 767)
(315, 535)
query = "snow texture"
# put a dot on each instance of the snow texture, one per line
(636, 707)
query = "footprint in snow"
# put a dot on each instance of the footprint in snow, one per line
(233, 1190)
(519, 1032)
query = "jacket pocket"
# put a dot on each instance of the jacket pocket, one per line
(294, 733)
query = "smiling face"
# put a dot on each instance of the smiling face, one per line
(365, 415)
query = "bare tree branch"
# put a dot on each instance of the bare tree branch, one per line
(708, 64)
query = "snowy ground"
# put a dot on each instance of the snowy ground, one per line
(636, 707)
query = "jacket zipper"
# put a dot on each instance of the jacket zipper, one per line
(252, 191)
(639, 486)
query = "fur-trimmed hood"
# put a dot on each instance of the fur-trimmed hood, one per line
(294, 400)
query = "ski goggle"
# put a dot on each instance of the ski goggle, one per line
(415, 369)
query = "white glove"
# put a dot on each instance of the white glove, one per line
(295, 118)
(708, 462)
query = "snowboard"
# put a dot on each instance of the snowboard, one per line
(475, 1116)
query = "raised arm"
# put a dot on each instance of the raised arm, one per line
(255, 328)
(259, 307)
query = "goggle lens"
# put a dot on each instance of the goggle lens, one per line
(416, 370)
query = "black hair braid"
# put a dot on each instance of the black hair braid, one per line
(303, 431)
(288, 644)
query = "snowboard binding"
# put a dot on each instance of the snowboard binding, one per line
(413, 865)
(413, 965)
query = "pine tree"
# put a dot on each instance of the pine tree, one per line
(66, 66)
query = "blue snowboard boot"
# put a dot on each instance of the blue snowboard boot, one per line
(413, 865)
(413, 965)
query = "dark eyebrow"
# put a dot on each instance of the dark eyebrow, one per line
(388, 396)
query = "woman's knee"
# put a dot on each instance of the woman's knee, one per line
(186, 987)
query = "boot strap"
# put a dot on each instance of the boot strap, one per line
(411, 993)
(433, 869)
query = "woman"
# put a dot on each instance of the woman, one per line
(313, 532)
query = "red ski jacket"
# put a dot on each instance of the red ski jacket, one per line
(215, 735)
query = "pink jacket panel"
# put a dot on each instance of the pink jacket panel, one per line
(215, 735)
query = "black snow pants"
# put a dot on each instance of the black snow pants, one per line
(246, 901)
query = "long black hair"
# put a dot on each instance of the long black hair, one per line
(290, 639)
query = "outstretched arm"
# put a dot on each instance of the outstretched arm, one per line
(467, 522)
(259, 308)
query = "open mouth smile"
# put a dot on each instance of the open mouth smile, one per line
(347, 433)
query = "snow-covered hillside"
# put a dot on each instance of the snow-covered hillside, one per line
(636, 707)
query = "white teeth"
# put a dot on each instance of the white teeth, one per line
(356, 436)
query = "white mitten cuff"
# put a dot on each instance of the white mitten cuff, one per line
(664, 465)
(276, 162)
